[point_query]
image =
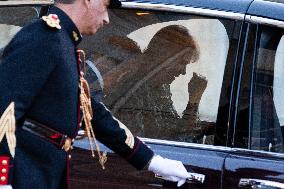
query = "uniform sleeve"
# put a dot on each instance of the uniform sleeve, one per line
(115, 135)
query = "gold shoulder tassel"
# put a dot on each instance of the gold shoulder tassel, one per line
(8, 127)
(86, 107)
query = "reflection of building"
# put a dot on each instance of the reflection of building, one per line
(6, 34)
(11, 20)
(17, 16)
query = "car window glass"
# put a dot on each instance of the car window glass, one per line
(267, 126)
(162, 73)
(11, 21)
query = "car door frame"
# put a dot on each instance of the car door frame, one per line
(244, 167)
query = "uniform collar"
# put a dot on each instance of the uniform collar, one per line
(67, 24)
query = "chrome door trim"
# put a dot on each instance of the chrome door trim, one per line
(259, 183)
(194, 178)
(183, 9)
(237, 151)
(257, 153)
(264, 21)
(185, 144)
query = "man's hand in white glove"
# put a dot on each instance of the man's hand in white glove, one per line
(171, 170)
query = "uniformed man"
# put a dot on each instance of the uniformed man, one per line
(41, 105)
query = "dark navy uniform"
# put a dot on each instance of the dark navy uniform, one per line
(39, 73)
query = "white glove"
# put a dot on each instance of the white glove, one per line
(170, 170)
(6, 187)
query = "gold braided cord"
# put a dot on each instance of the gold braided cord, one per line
(86, 107)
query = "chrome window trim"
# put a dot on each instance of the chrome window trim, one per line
(183, 9)
(185, 144)
(257, 153)
(264, 21)
(211, 147)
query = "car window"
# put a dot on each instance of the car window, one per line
(267, 102)
(264, 93)
(11, 21)
(162, 73)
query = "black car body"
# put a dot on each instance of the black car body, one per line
(199, 81)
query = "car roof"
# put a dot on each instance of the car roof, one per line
(239, 6)
(273, 9)
(264, 8)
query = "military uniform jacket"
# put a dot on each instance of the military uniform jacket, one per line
(39, 74)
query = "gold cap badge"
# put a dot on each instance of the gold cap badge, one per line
(52, 20)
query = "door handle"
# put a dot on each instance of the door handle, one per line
(195, 178)
(260, 184)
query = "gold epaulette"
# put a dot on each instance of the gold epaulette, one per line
(52, 21)
(8, 127)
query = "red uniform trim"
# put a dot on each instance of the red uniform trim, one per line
(4, 169)
(68, 170)
(78, 104)
(136, 147)
(78, 122)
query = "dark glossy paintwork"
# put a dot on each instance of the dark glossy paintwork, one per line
(239, 6)
(267, 9)
(84, 168)
(86, 173)
(245, 166)
(207, 162)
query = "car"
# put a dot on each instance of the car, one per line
(199, 81)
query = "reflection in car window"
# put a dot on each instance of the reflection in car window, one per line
(163, 72)
(11, 21)
(201, 64)
(6, 34)
(18, 16)
(267, 125)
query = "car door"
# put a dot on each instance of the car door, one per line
(166, 72)
(257, 159)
